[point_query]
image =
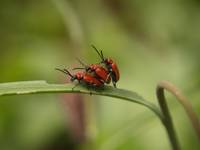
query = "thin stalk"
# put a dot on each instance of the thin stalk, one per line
(71, 21)
(167, 117)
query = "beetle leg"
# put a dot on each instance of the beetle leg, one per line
(108, 76)
(76, 85)
(89, 90)
(113, 80)
(114, 84)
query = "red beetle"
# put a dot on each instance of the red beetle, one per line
(83, 78)
(99, 72)
(110, 65)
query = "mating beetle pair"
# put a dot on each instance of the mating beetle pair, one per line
(96, 75)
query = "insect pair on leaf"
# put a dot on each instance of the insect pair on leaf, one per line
(96, 75)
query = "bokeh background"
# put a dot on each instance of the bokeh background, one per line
(150, 41)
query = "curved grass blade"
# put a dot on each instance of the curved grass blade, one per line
(32, 87)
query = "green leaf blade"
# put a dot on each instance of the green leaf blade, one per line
(33, 87)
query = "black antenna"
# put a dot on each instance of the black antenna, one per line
(65, 71)
(100, 54)
(77, 68)
(68, 72)
(81, 62)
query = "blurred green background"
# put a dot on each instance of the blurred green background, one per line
(150, 41)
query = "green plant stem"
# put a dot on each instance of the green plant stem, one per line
(167, 117)
(71, 21)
